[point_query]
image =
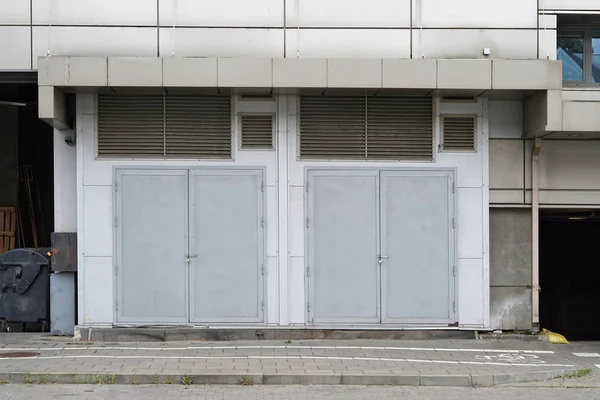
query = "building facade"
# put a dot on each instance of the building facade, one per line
(321, 164)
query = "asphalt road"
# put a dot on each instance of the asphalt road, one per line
(116, 392)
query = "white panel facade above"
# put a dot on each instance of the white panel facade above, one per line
(223, 13)
(94, 12)
(94, 41)
(469, 43)
(221, 42)
(14, 12)
(475, 14)
(15, 48)
(348, 13)
(348, 43)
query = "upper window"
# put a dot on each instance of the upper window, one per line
(578, 47)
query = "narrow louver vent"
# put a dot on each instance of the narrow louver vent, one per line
(359, 127)
(164, 126)
(257, 131)
(458, 133)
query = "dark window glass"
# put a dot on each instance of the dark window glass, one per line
(570, 50)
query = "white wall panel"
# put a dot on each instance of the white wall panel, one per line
(92, 41)
(94, 12)
(469, 43)
(349, 43)
(65, 188)
(505, 119)
(547, 36)
(14, 12)
(572, 5)
(470, 223)
(471, 292)
(98, 280)
(272, 294)
(97, 226)
(475, 13)
(271, 214)
(296, 221)
(297, 302)
(217, 42)
(570, 164)
(348, 13)
(263, 13)
(506, 164)
(15, 47)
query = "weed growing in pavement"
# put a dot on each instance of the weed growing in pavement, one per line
(103, 380)
(40, 380)
(167, 381)
(187, 380)
(134, 378)
(246, 381)
(579, 374)
(155, 380)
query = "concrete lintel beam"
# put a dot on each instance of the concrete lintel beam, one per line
(73, 71)
(53, 107)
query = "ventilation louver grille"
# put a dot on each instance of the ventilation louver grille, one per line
(164, 126)
(358, 127)
(257, 132)
(458, 133)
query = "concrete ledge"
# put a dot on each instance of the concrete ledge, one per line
(443, 74)
(142, 377)
(102, 334)
(52, 107)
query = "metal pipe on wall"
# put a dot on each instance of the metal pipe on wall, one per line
(535, 229)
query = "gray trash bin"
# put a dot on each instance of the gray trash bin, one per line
(24, 287)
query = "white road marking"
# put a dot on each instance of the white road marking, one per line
(201, 348)
(587, 354)
(408, 360)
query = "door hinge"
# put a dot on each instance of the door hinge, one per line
(116, 270)
(262, 186)
(116, 221)
(453, 223)
(263, 305)
(308, 307)
(116, 186)
(454, 306)
(307, 221)
(117, 305)
(453, 187)
(262, 222)
(308, 271)
(262, 269)
(454, 270)
(306, 187)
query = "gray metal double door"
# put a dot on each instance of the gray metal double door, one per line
(189, 246)
(380, 246)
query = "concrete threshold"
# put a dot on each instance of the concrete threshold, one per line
(162, 334)
(473, 380)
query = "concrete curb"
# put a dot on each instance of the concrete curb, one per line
(284, 379)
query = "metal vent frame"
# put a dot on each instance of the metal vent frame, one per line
(167, 126)
(259, 143)
(458, 133)
(366, 128)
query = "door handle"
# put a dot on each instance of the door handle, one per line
(382, 258)
(188, 257)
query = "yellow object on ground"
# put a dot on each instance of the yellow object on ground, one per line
(555, 338)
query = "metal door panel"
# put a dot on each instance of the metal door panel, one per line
(417, 246)
(342, 237)
(151, 242)
(227, 246)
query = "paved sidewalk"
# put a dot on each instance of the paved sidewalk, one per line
(361, 362)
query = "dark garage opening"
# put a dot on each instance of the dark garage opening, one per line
(26, 170)
(570, 273)
(26, 163)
